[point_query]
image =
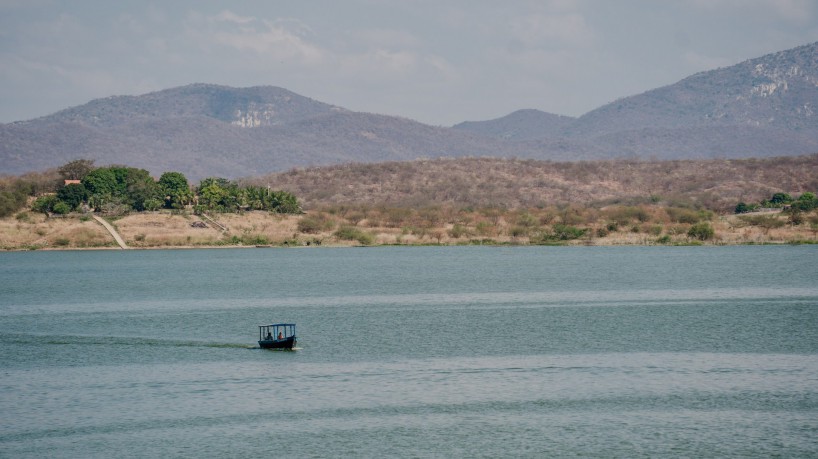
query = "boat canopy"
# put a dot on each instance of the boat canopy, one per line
(275, 331)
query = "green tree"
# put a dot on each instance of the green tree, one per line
(73, 194)
(806, 202)
(218, 194)
(45, 203)
(743, 208)
(175, 189)
(136, 186)
(780, 199)
(100, 182)
(120, 185)
(61, 208)
(153, 204)
(284, 203)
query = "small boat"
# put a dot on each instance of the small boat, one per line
(276, 336)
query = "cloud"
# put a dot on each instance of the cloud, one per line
(379, 63)
(229, 16)
(386, 38)
(400, 69)
(793, 11)
(283, 39)
(551, 30)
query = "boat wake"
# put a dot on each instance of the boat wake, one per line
(276, 350)
(80, 340)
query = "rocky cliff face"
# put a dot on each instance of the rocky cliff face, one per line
(255, 116)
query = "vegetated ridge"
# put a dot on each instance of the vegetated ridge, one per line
(715, 184)
(441, 201)
(758, 108)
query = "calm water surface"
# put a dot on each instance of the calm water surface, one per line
(411, 352)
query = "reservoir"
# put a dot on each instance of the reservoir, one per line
(411, 352)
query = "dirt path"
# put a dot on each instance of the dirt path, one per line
(113, 232)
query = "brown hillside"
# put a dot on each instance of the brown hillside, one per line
(518, 183)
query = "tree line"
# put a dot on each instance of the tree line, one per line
(117, 190)
(804, 203)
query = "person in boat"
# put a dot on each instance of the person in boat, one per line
(280, 335)
(269, 336)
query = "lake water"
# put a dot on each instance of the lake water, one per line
(411, 352)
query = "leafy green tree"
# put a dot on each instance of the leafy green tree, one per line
(100, 182)
(807, 196)
(45, 203)
(283, 203)
(218, 194)
(806, 202)
(743, 208)
(61, 208)
(140, 188)
(780, 199)
(120, 185)
(175, 189)
(153, 204)
(73, 194)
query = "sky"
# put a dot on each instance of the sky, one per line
(435, 61)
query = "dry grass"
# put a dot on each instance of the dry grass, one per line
(29, 230)
(265, 227)
(389, 226)
(164, 230)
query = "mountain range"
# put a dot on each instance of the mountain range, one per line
(762, 107)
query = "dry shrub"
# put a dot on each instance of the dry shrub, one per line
(625, 215)
(515, 183)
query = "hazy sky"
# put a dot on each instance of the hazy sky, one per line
(436, 61)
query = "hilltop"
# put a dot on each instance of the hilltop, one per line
(760, 107)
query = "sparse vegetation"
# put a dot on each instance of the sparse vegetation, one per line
(701, 231)
(609, 211)
(504, 184)
(350, 233)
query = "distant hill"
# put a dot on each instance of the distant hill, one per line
(762, 107)
(777, 91)
(249, 107)
(208, 130)
(527, 124)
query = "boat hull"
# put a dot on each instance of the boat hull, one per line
(286, 343)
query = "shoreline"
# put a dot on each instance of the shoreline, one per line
(162, 230)
(355, 246)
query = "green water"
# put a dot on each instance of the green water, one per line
(411, 352)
